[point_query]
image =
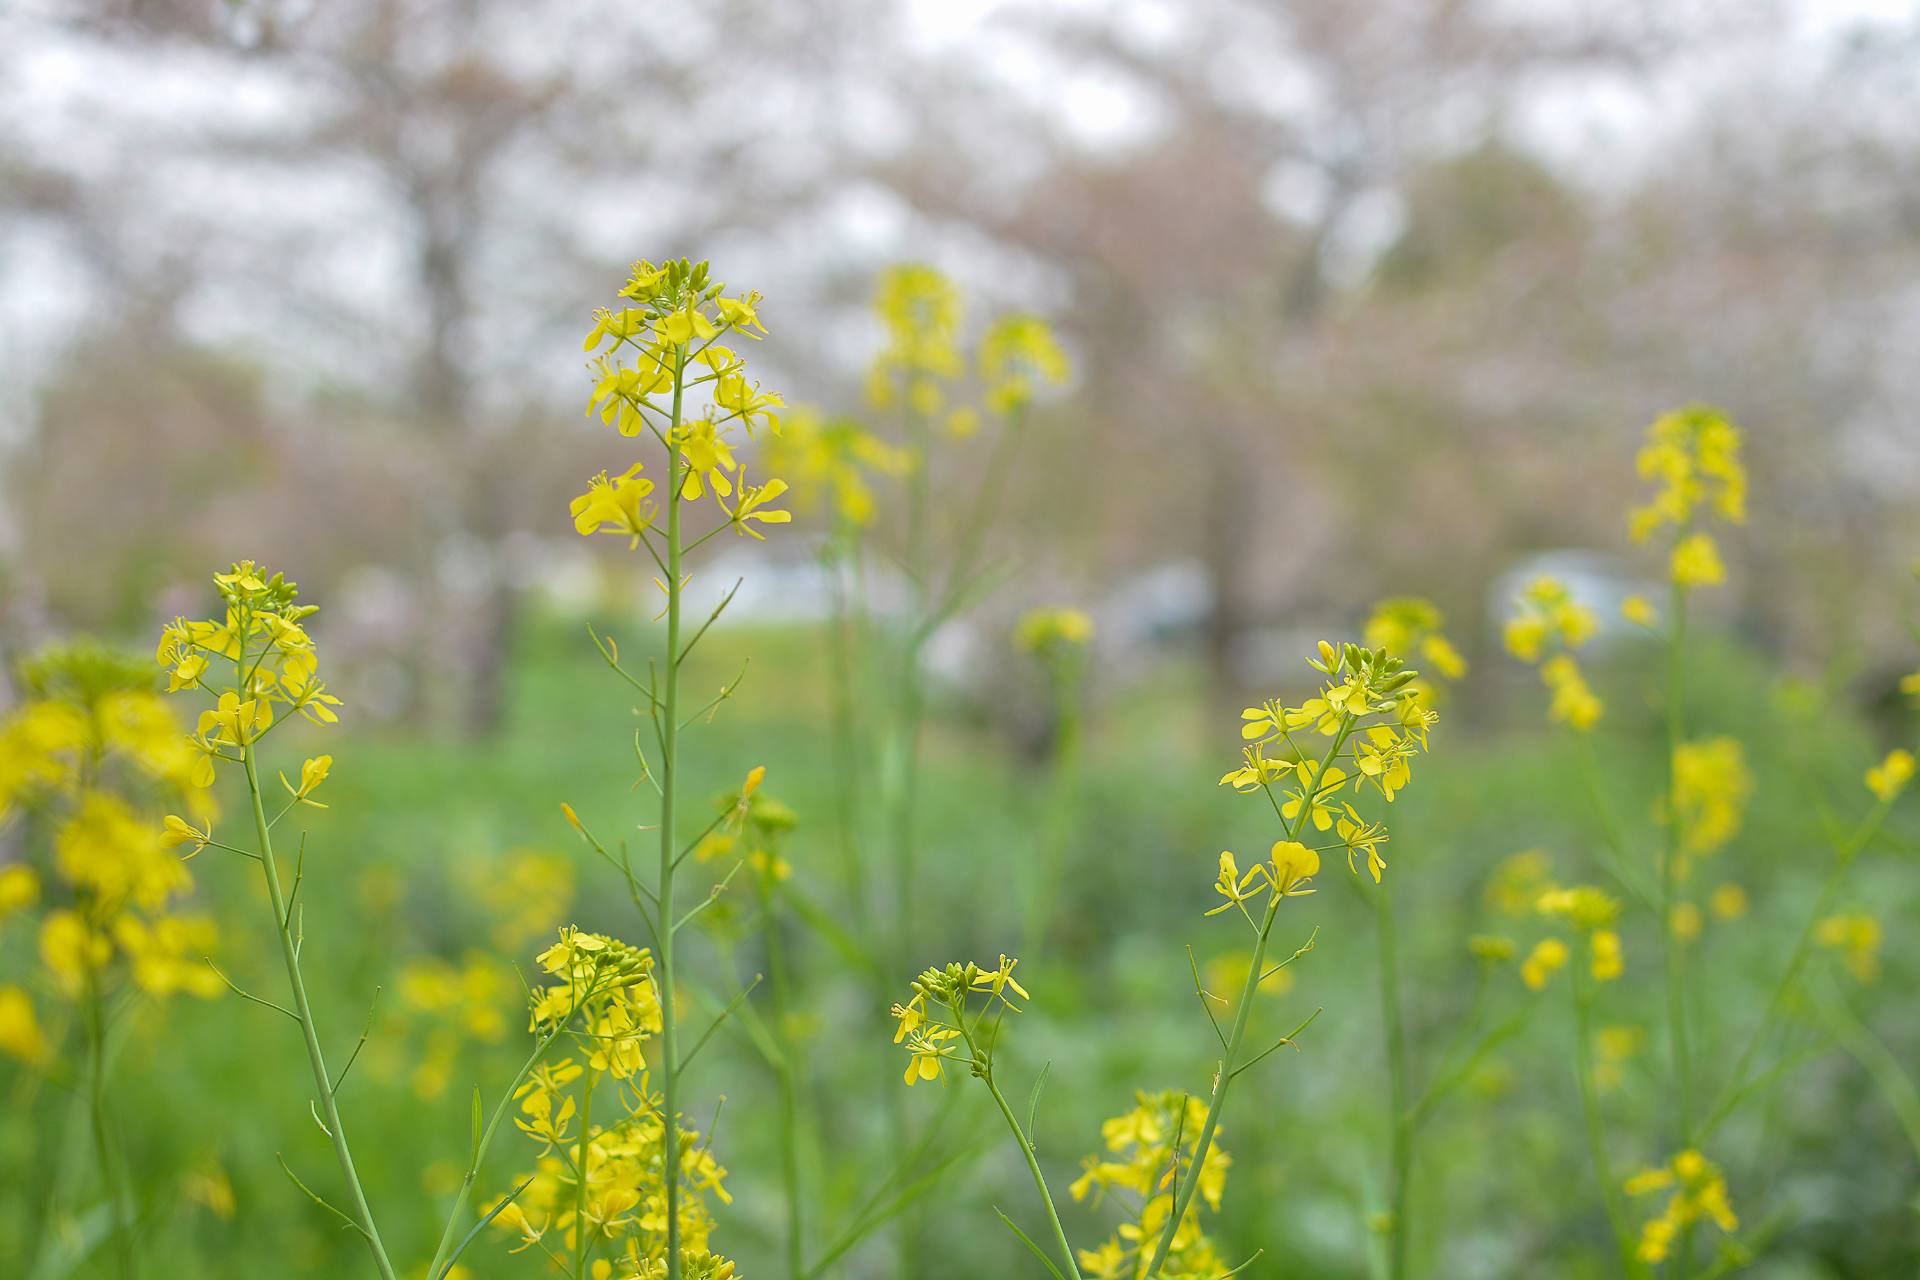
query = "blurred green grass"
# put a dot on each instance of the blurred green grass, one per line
(1503, 1189)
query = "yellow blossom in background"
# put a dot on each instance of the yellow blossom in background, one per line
(1639, 611)
(1606, 961)
(1045, 631)
(1711, 786)
(1547, 616)
(1548, 956)
(1888, 778)
(1728, 901)
(1696, 1192)
(1696, 562)
(1518, 882)
(1573, 702)
(1693, 456)
(1017, 353)
(19, 889)
(20, 1034)
(1614, 1047)
(1686, 921)
(1857, 940)
(836, 461)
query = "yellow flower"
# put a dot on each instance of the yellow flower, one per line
(1857, 939)
(1547, 614)
(683, 326)
(1698, 1192)
(72, 949)
(1547, 956)
(1232, 885)
(709, 459)
(1258, 771)
(1574, 702)
(20, 1034)
(1042, 631)
(1293, 865)
(1711, 785)
(753, 506)
(1639, 611)
(1696, 562)
(177, 831)
(1606, 960)
(19, 889)
(312, 773)
(618, 506)
(1362, 837)
(930, 1048)
(1686, 921)
(1000, 980)
(1315, 787)
(1888, 778)
(1693, 454)
(1728, 901)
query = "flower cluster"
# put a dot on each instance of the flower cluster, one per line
(921, 311)
(91, 745)
(1693, 455)
(1047, 632)
(939, 1022)
(1890, 777)
(1412, 628)
(836, 458)
(1711, 787)
(666, 347)
(1856, 938)
(602, 1186)
(262, 639)
(1548, 623)
(1590, 913)
(1372, 709)
(1696, 1192)
(1148, 1150)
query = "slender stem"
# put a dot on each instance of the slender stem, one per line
(580, 1153)
(1228, 1065)
(316, 1059)
(1674, 948)
(1401, 1139)
(780, 999)
(1026, 1144)
(120, 1224)
(669, 786)
(465, 1193)
(1063, 788)
(1630, 1264)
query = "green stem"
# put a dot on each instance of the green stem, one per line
(316, 1059)
(581, 1152)
(121, 1223)
(1057, 826)
(669, 785)
(1026, 1145)
(1630, 1264)
(1673, 948)
(780, 1000)
(1401, 1139)
(1223, 1075)
(465, 1194)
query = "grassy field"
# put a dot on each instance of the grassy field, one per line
(413, 863)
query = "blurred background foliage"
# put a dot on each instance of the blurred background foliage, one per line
(1363, 299)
